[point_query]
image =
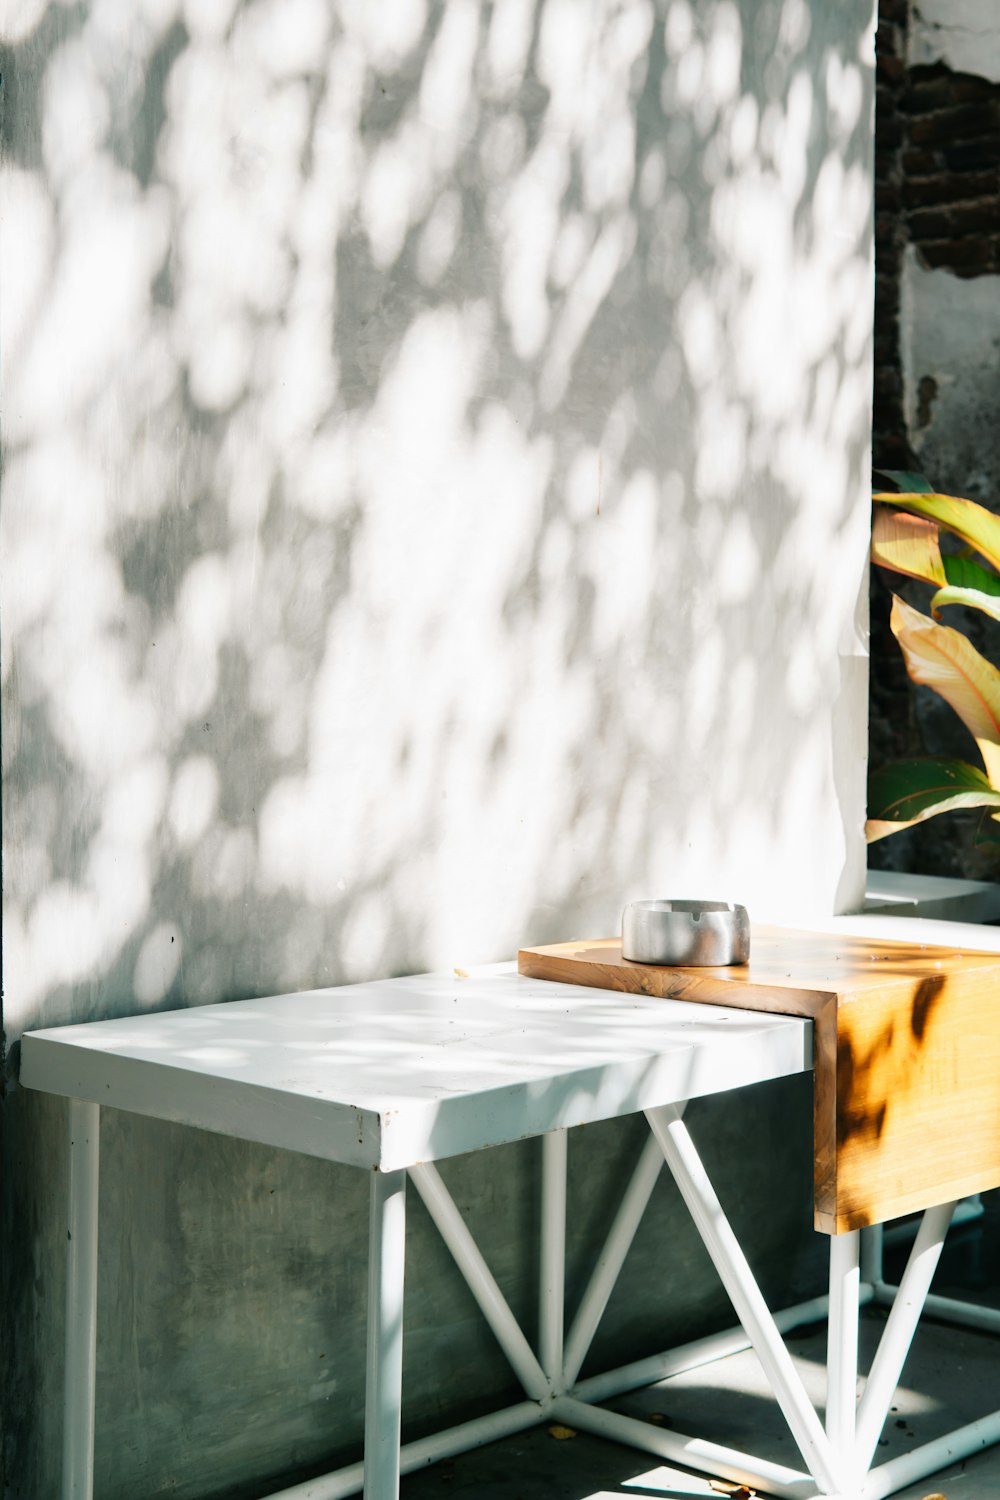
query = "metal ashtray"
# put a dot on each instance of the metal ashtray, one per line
(703, 934)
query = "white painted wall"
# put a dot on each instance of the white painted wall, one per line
(962, 33)
(434, 504)
(950, 355)
(435, 512)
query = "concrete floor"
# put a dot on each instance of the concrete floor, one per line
(951, 1377)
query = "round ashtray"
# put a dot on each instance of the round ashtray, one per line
(702, 934)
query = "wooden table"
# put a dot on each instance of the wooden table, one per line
(906, 1063)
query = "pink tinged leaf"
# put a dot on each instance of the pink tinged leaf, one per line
(881, 828)
(941, 658)
(973, 523)
(908, 545)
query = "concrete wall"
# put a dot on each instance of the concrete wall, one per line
(951, 376)
(436, 460)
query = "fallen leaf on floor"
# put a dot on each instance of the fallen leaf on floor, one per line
(937, 1495)
(462, 973)
(733, 1491)
(658, 1419)
(562, 1433)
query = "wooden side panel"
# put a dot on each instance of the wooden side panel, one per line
(918, 1097)
(906, 1056)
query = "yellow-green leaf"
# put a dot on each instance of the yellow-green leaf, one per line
(907, 544)
(988, 603)
(910, 791)
(941, 658)
(973, 523)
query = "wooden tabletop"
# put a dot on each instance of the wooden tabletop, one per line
(906, 1055)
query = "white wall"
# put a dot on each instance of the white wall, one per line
(435, 511)
(962, 33)
(950, 356)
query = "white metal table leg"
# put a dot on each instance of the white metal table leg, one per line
(81, 1301)
(383, 1394)
(552, 1289)
(611, 1259)
(730, 1262)
(887, 1366)
(479, 1279)
(842, 1343)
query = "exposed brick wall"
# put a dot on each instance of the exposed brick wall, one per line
(891, 449)
(937, 187)
(950, 160)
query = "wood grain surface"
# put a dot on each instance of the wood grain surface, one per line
(906, 1055)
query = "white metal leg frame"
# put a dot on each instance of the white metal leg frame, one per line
(837, 1455)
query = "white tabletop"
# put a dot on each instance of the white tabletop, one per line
(406, 1070)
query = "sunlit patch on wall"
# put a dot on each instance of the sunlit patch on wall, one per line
(157, 963)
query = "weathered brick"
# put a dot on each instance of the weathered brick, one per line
(920, 163)
(965, 86)
(893, 452)
(890, 68)
(920, 98)
(887, 290)
(949, 188)
(888, 383)
(924, 191)
(929, 224)
(974, 156)
(962, 122)
(885, 228)
(956, 255)
(886, 318)
(888, 197)
(887, 257)
(975, 218)
(888, 131)
(886, 351)
(978, 185)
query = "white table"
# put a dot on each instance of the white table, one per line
(393, 1076)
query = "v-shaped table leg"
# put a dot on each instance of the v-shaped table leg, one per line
(492, 1303)
(828, 1467)
(900, 1327)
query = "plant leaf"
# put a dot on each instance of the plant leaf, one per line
(943, 659)
(907, 544)
(905, 479)
(973, 523)
(988, 603)
(965, 573)
(910, 791)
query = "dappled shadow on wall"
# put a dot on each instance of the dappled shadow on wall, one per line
(434, 442)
